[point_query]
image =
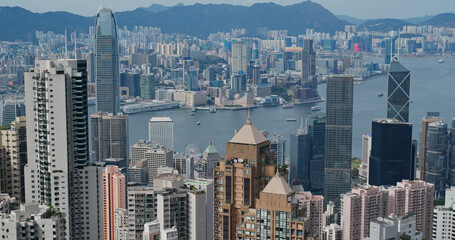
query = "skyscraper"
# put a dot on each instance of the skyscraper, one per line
(114, 197)
(317, 127)
(431, 117)
(106, 62)
(300, 157)
(308, 63)
(338, 137)
(452, 153)
(57, 138)
(109, 136)
(12, 108)
(398, 79)
(239, 61)
(437, 157)
(392, 158)
(161, 131)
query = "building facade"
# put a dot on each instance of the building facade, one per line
(338, 137)
(114, 197)
(161, 131)
(399, 80)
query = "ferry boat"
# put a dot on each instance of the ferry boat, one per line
(441, 61)
(193, 109)
(291, 119)
(212, 110)
(380, 94)
(315, 108)
(192, 113)
(198, 123)
(286, 106)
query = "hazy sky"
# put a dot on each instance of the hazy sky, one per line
(355, 8)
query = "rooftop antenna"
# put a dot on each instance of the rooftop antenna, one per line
(66, 46)
(75, 52)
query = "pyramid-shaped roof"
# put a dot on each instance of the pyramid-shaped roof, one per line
(248, 134)
(396, 66)
(278, 185)
(211, 148)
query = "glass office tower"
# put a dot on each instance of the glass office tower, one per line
(106, 62)
(338, 137)
(398, 79)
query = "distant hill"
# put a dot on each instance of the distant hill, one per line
(417, 20)
(155, 8)
(197, 20)
(441, 20)
(350, 19)
(16, 23)
(384, 25)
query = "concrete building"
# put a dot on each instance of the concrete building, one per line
(109, 134)
(172, 210)
(248, 155)
(394, 228)
(57, 142)
(13, 157)
(308, 63)
(114, 194)
(12, 108)
(332, 232)
(191, 98)
(156, 158)
(365, 203)
(33, 221)
(147, 86)
(151, 231)
(444, 217)
(239, 61)
(360, 206)
(197, 215)
(161, 131)
(138, 173)
(120, 224)
(314, 205)
(138, 149)
(205, 185)
(142, 208)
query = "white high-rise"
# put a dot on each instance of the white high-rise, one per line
(161, 131)
(57, 143)
(239, 60)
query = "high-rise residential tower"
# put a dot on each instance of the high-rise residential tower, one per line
(109, 136)
(308, 63)
(399, 79)
(392, 157)
(338, 137)
(239, 61)
(114, 197)
(161, 131)
(106, 62)
(452, 153)
(13, 158)
(57, 138)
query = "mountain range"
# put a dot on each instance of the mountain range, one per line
(202, 19)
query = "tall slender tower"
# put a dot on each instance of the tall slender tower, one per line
(338, 141)
(57, 139)
(398, 79)
(106, 62)
(308, 63)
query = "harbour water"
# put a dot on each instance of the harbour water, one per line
(432, 90)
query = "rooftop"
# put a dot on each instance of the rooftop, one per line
(248, 134)
(278, 185)
(160, 119)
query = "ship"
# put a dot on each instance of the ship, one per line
(192, 113)
(193, 109)
(441, 61)
(380, 94)
(291, 119)
(286, 106)
(198, 123)
(315, 108)
(212, 110)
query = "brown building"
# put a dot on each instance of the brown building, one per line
(242, 186)
(13, 157)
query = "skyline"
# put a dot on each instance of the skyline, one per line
(364, 9)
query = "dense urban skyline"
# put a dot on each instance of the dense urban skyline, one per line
(364, 9)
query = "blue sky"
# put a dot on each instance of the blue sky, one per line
(355, 8)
